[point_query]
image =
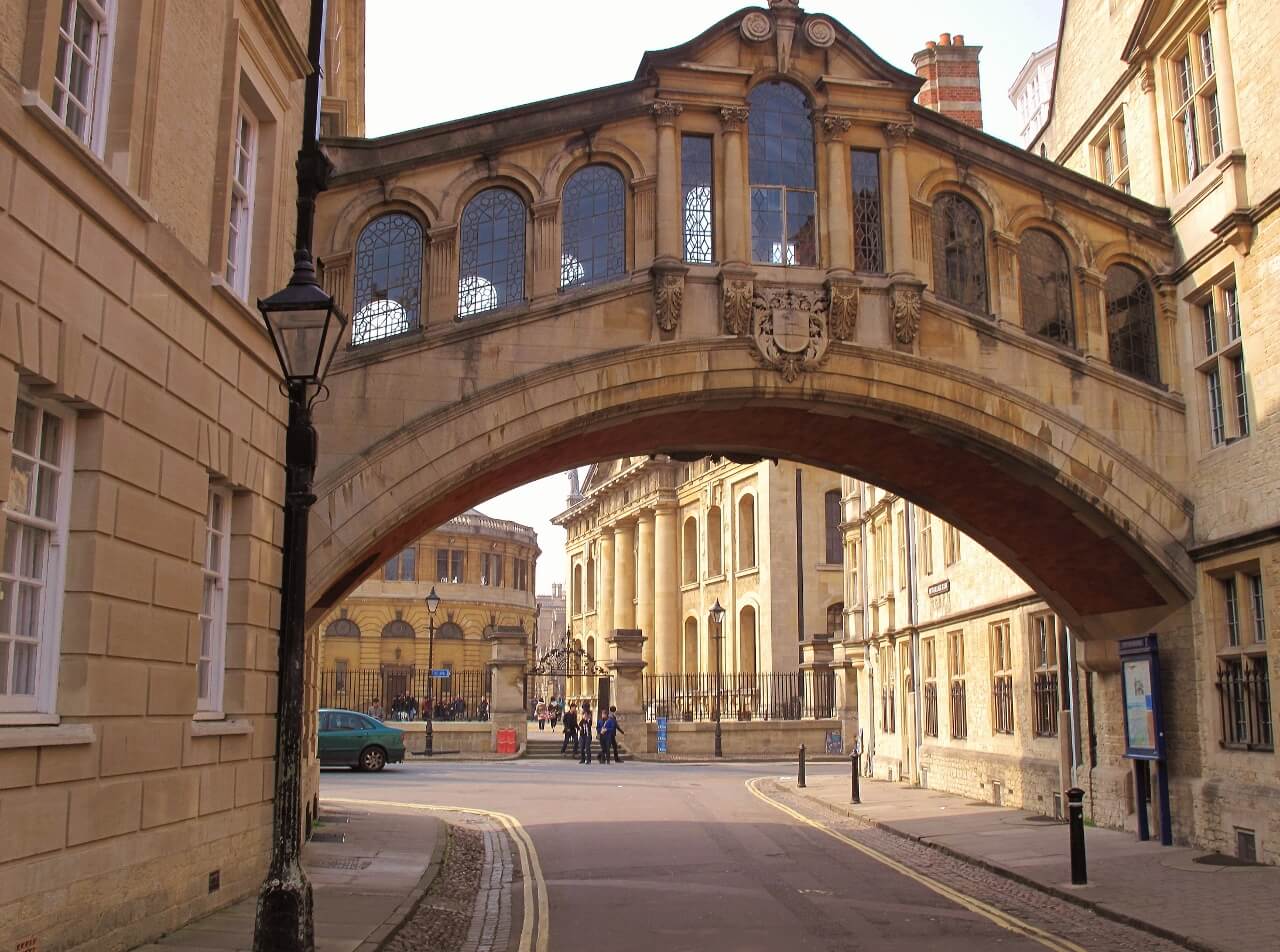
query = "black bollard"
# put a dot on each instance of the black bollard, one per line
(800, 779)
(853, 762)
(1075, 811)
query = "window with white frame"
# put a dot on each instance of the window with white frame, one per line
(244, 157)
(1221, 366)
(81, 72)
(1111, 155)
(1194, 87)
(213, 604)
(36, 516)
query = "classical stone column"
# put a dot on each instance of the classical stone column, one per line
(1004, 301)
(1148, 82)
(666, 597)
(644, 585)
(838, 211)
(545, 279)
(733, 120)
(1091, 336)
(604, 606)
(902, 260)
(664, 114)
(624, 576)
(442, 275)
(1226, 77)
(507, 661)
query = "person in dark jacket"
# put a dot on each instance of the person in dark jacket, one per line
(570, 730)
(612, 729)
(584, 736)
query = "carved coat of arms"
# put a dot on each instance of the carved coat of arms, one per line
(790, 329)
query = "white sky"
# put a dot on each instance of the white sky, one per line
(429, 61)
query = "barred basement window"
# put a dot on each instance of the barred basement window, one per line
(1131, 324)
(1243, 682)
(959, 252)
(695, 175)
(1001, 679)
(868, 220)
(929, 673)
(1045, 287)
(1044, 675)
(491, 254)
(593, 232)
(784, 216)
(388, 279)
(957, 709)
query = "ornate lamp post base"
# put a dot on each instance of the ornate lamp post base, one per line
(285, 919)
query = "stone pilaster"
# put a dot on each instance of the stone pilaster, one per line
(624, 576)
(669, 219)
(817, 653)
(1004, 297)
(546, 249)
(839, 213)
(900, 257)
(442, 275)
(666, 597)
(737, 225)
(508, 661)
(604, 605)
(645, 584)
(1148, 83)
(626, 665)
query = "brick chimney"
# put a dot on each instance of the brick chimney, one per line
(950, 73)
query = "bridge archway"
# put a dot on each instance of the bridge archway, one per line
(1091, 526)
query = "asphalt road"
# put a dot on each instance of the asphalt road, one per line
(683, 857)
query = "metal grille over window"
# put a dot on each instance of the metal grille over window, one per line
(1046, 287)
(491, 252)
(959, 253)
(593, 213)
(784, 221)
(1243, 681)
(868, 223)
(1131, 324)
(213, 604)
(388, 281)
(1044, 675)
(82, 43)
(695, 177)
(957, 709)
(1001, 679)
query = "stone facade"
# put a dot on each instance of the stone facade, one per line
(1032, 90)
(143, 436)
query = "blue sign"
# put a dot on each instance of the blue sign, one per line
(662, 735)
(441, 673)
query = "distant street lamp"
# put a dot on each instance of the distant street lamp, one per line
(305, 328)
(433, 604)
(717, 618)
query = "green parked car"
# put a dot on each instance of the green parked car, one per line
(348, 739)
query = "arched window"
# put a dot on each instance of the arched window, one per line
(591, 584)
(835, 619)
(398, 628)
(491, 252)
(784, 217)
(593, 226)
(959, 252)
(1131, 323)
(715, 545)
(690, 653)
(388, 280)
(1046, 287)
(689, 551)
(450, 630)
(747, 532)
(835, 538)
(591, 648)
(342, 628)
(577, 589)
(747, 660)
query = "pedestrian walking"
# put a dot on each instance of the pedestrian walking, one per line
(584, 737)
(540, 714)
(612, 729)
(570, 730)
(556, 707)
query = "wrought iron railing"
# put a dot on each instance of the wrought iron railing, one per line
(1002, 704)
(742, 697)
(1244, 693)
(930, 709)
(406, 694)
(1044, 703)
(959, 713)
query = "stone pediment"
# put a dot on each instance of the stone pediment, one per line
(1146, 27)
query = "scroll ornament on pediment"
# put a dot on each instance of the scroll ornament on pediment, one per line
(791, 333)
(906, 314)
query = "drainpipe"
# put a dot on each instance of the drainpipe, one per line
(913, 620)
(864, 594)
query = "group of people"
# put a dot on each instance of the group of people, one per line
(579, 727)
(551, 710)
(406, 707)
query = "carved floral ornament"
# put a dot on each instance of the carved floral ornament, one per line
(668, 297)
(906, 314)
(758, 26)
(733, 118)
(842, 308)
(665, 112)
(834, 127)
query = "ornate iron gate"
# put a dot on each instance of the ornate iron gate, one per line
(568, 664)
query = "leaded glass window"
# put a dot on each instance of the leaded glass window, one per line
(959, 252)
(784, 217)
(491, 254)
(1046, 287)
(695, 183)
(593, 216)
(1131, 323)
(868, 223)
(388, 282)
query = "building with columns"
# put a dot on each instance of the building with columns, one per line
(1031, 90)
(655, 543)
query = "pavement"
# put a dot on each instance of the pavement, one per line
(1159, 889)
(368, 869)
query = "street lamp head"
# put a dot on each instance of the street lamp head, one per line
(304, 323)
(717, 612)
(432, 600)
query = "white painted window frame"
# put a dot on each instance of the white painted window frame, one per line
(240, 212)
(103, 15)
(216, 538)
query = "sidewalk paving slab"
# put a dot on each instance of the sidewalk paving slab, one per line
(1160, 889)
(362, 887)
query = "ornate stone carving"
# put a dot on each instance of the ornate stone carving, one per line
(757, 27)
(733, 118)
(819, 31)
(842, 308)
(834, 127)
(1147, 79)
(791, 333)
(735, 299)
(668, 298)
(665, 111)
(906, 314)
(897, 133)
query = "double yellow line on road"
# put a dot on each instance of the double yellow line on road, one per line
(987, 911)
(535, 929)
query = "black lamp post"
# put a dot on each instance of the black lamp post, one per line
(717, 618)
(433, 604)
(305, 329)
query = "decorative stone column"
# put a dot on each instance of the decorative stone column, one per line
(668, 268)
(737, 279)
(645, 585)
(1148, 83)
(1227, 114)
(545, 280)
(839, 213)
(624, 577)
(604, 604)
(442, 275)
(1005, 304)
(508, 646)
(1091, 337)
(1166, 288)
(666, 597)
(817, 653)
(626, 665)
(335, 271)
(901, 259)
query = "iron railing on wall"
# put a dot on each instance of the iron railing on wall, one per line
(959, 713)
(768, 696)
(1002, 704)
(1244, 692)
(408, 693)
(930, 709)
(1044, 703)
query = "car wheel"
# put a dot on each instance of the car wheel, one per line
(373, 758)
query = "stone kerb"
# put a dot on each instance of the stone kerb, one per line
(626, 665)
(509, 647)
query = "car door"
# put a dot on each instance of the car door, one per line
(349, 733)
(325, 739)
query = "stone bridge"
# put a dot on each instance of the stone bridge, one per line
(760, 246)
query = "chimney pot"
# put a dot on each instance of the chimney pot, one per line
(958, 40)
(944, 39)
(930, 44)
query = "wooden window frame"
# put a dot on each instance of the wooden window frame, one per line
(1111, 154)
(1194, 115)
(1221, 366)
